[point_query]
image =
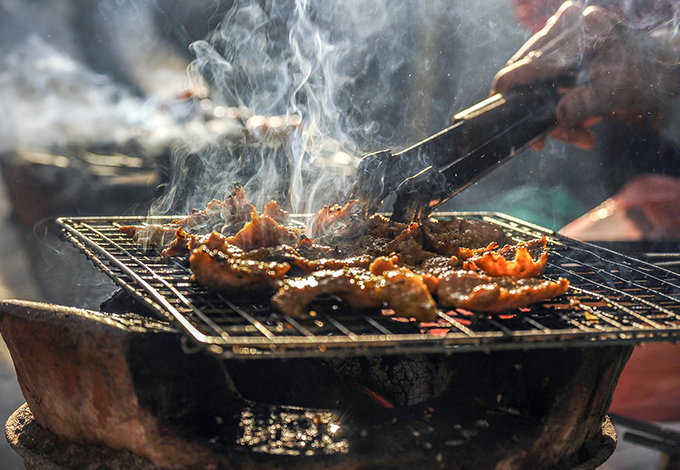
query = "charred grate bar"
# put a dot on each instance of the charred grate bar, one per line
(613, 299)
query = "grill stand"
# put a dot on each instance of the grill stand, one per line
(521, 409)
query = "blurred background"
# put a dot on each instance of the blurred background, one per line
(121, 107)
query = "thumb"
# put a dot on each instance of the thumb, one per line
(577, 105)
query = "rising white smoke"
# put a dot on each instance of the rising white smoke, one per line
(361, 77)
(49, 99)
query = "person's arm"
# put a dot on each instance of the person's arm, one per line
(625, 73)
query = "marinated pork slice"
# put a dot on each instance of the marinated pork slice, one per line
(263, 231)
(408, 247)
(380, 238)
(288, 254)
(338, 222)
(151, 236)
(178, 245)
(235, 210)
(446, 236)
(274, 211)
(526, 259)
(399, 288)
(474, 291)
(311, 250)
(217, 264)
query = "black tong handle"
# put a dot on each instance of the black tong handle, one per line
(481, 138)
(649, 434)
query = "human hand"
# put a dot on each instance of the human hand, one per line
(625, 73)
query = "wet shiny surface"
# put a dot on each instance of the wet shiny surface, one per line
(292, 432)
(327, 435)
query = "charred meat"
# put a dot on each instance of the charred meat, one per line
(367, 262)
(218, 264)
(397, 288)
(526, 259)
(480, 293)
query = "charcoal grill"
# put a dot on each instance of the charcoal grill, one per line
(613, 299)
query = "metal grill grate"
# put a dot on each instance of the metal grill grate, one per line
(613, 299)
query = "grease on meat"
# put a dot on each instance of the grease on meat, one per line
(477, 292)
(396, 287)
(220, 265)
(526, 259)
(365, 261)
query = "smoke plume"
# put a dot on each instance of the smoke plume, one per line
(342, 79)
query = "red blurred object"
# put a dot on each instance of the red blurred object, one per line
(646, 14)
(649, 387)
(646, 209)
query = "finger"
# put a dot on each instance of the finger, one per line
(579, 105)
(525, 71)
(567, 15)
(579, 137)
(526, 65)
(539, 144)
(559, 48)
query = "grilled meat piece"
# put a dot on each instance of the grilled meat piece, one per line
(311, 250)
(526, 259)
(274, 211)
(448, 236)
(438, 266)
(399, 288)
(234, 211)
(339, 222)
(480, 293)
(262, 231)
(151, 236)
(408, 246)
(179, 245)
(288, 254)
(217, 264)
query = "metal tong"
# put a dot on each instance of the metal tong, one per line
(482, 137)
(649, 434)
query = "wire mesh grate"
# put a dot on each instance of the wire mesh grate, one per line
(613, 299)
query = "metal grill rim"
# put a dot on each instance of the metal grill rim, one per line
(613, 299)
